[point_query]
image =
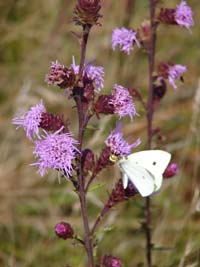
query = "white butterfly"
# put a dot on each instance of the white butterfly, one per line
(144, 169)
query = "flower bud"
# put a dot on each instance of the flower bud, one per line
(117, 195)
(163, 70)
(87, 161)
(87, 12)
(110, 261)
(167, 16)
(64, 230)
(103, 160)
(88, 91)
(51, 122)
(103, 105)
(171, 170)
(144, 33)
(130, 191)
(60, 75)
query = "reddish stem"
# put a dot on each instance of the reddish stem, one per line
(150, 111)
(82, 125)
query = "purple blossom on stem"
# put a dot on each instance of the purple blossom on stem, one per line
(95, 73)
(55, 151)
(118, 145)
(184, 15)
(122, 102)
(125, 39)
(30, 121)
(175, 72)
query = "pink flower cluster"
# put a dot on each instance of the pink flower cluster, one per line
(122, 102)
(184, 15)
(125, 39)
(118, 145)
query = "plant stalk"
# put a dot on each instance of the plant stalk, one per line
(81, 190)
(150, 112)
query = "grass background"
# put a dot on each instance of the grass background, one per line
(37, 32)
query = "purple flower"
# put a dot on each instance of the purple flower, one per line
(30, 121)
(55, 151)
(118, 145)
(122, 102)
(125, 39)
(184, 15)
(95, 73)
(175, 72)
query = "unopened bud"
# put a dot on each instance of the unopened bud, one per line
(87, 12)
(110, 261)
(103, 105)
(167, 16)
(87, 161)
(171, 170)
(64, 230)
(103, 160)
(51, 122)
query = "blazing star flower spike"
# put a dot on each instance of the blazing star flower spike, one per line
(184, 15)
(56, 151)
(125, 39)
(31, 120)
(118, 145)
(122, 102)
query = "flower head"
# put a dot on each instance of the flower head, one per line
(118, 145)
(122, 102)
(94, 73)
(125, 39)
(184, 15)
(175, 72)
(30, 121)
(55, 151)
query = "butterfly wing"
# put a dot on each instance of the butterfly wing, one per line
(154, 161)
(140, 177)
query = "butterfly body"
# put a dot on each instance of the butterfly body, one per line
(144, 169)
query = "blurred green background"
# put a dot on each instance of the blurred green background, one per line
(33, 33)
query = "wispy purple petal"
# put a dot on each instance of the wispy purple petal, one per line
(30, 121)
